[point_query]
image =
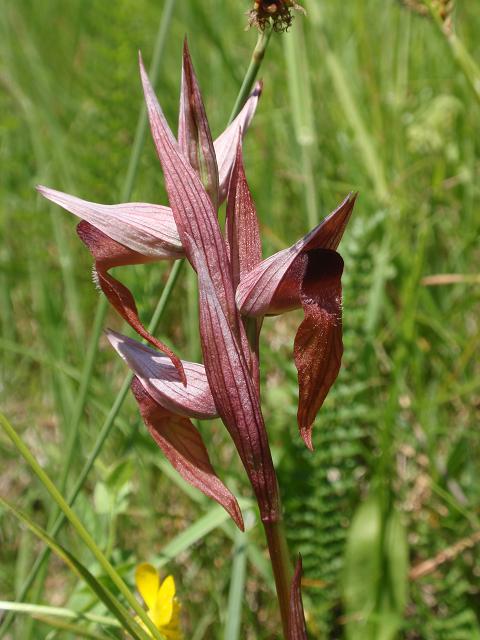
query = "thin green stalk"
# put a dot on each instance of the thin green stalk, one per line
(78, 526)
(237, 586)
(296, 58)
(460, 54)
(60, 612)
(255, 63)
(282, 567)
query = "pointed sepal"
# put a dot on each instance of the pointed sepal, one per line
(161, 381)
(147, 229)
(194, 136)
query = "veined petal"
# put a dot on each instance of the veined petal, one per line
(273, 286)
(182, 444)
(297, 629)
(147, 582)
(244, 247)
(194, 214)
(318, 344)
(242, 229)
(161, 380)
(194, 136)
(148, 229)
(226, 143)
(108, 253)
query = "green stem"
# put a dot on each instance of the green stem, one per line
(255, 64)
(460, 54)
(282, 567)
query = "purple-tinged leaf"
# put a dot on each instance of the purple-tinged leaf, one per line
(182, 444)
(108, 253)
(161, 380)
(222, 335)
(244, 247)
(194, 214)
(273, 286)
(318, 344)
(236, 396)
(297, 629)
(242, 230)
(147, 229)
(226, 143)
(194, 137)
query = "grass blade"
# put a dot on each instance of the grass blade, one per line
(116, 608)
(77, 525)
(237, 587)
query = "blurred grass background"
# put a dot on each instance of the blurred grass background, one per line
(360, 96)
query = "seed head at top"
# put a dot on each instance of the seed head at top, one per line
(278, 13)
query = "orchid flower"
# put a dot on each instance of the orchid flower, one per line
(307, 274)
(159, 597)
(135, 232)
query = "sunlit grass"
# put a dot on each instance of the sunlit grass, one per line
(388, 113)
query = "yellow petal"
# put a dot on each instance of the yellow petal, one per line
(147, 581)
(163, 610)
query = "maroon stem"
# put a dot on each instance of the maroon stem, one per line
(282, 567)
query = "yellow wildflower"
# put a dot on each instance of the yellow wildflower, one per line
(162, 606)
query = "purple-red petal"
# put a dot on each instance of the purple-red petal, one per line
(318, 344)
(108, 253)
(183, 446)
(162, 382)
(194, 137)
(273, 286)
(147, 229)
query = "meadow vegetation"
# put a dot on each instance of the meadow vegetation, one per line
(360, 96)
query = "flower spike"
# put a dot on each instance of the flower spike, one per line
(308, 275)
(222, 334)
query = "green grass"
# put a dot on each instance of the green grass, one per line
(360, 96)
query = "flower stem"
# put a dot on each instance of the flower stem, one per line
(282, 567)
(255, 63)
